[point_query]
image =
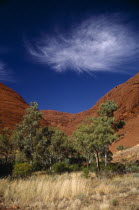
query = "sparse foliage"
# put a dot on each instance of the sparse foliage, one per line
(26, 132)
(95, 138)
(121, 147)
(60, 167)
(107, 109)
(6, 144)
(22, 170)
(52, 146)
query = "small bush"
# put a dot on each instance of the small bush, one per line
(22, 170)
(119, 124)
(121, 147)
(132, 167)
(115, 202)
(60, 167)
(37, 166)
(93, 168)
(74, 167)
(85, 172)
(113, 167)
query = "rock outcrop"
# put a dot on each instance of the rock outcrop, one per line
(12, 107)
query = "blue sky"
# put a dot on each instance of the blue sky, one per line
(67, 54)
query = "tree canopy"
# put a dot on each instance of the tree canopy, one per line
(95, 138)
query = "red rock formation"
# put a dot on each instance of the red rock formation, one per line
(126, 97)
(12, 107)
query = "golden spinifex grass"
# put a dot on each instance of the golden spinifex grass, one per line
(71, 191)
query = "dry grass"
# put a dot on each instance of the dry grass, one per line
(128, 155)
(71, 191)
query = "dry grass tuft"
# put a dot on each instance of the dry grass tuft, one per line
(70, 191)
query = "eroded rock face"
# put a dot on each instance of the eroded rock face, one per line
(12, 107)
(126, 96)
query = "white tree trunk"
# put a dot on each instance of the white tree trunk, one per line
(106, 158)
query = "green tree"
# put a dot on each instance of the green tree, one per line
(104, 135)
(52, 146)
(106, 113)
(83, 141)
(26, 132)
(6, 144)
(107, 109)
(95, 138)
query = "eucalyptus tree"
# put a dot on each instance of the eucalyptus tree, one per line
(26, 131)
(107, 109)
(6, 144)
(52, 146)
(83, 141)
(104, 134)
(95, 138)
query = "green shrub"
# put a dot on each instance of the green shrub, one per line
(132, 167)
(22, 170)
(93, 168)
(60, 167)
(119, 124)
(109, 169)
(113, 167)
(115, 202)
(37, 166)
(121, 147)
(74, 167)
(85, 172)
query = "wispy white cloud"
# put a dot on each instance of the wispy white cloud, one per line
(4, 73)
(97, 44)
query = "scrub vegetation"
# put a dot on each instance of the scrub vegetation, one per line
(43, 168)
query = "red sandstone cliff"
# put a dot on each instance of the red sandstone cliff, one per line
(12, 107)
